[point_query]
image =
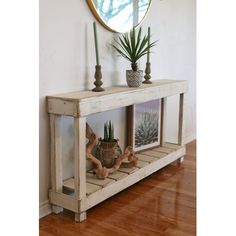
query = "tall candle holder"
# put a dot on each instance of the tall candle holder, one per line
(98, 74)
(147, 75)
(98, 79)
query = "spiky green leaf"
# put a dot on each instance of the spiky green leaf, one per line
(133, 47)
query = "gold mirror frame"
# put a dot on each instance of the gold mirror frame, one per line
(103, 23)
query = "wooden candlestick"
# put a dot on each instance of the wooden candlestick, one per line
(147, 75)
(98, 79)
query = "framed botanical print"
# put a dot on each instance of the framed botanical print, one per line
(145, 119)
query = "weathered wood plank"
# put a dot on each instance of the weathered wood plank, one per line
(154, 154)
(56, 153)
(129, 170)
(78, 95)
(69, 184)
(163, 120)
(171, 145)
(117, 175)
(63, 200)
(129, 121)
(52, 152)
(141, 164)
(108, 102)
(56, 157)
(180, 160)
(89, 102)
(80, 162)
(79, 217)
(62, 107)
(79, 157)
(146, 158)
(163, 149)
(136, 176)
(181, 117)
(100, 182)
(90, 188)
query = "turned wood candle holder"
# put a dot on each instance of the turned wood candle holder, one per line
(98, 79)
(147, 75)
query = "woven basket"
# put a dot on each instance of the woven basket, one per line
(107, 152)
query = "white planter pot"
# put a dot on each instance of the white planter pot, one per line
(134, 78)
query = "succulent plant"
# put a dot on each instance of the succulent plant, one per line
(132, 47)
(108, 132)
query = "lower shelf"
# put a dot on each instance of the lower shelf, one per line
(149, 161)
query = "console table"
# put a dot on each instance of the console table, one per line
(85, 189)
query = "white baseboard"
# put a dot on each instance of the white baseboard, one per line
(44, 209)
(189, 138)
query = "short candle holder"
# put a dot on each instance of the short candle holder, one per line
(147, 75)
(98, 79)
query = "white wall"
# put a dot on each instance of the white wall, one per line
(67, 59)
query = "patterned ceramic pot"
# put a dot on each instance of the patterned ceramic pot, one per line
(107, 152)
(134, 78)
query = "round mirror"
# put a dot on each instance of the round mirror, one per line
(119, 15)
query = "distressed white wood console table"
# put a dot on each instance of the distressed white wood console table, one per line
(87, 190)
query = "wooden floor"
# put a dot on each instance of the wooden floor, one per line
(162, 204)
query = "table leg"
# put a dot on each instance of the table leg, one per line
(79, 217)
(181, 118)
(181, 122)
(56, 157)
(180, 160)
(163, 121)
(80, 166)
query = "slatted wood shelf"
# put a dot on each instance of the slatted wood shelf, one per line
(149, 161)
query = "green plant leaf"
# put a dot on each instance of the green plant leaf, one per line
(126, 39)
(132, 39)
(105, 132)
(144, 42)
(128, 50)
(131, 47)
(121, 53)
(138, 39)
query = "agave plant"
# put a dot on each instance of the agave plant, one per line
(108, 132)
(133, 46)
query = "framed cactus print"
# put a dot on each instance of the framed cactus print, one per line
(146, 125)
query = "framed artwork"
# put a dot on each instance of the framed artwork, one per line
(146, 125)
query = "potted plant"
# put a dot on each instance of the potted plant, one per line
(108, 149)
(132, 47)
